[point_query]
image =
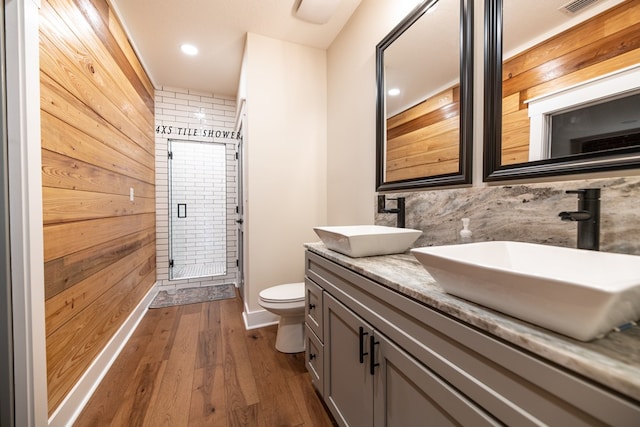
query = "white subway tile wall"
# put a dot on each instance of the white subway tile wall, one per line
(186, 115)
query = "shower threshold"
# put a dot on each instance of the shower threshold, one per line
(198, 270)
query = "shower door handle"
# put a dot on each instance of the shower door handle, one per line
(182, 210)
(240, 221)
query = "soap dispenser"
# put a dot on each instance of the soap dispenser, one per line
(465, 233)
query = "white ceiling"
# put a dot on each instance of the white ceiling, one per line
(157, 28)
(218, 28)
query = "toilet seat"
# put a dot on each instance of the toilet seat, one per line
(291, 292)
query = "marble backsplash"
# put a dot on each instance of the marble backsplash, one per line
(523, 212)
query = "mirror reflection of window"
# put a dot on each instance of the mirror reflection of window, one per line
(607, 125)
(548, 47)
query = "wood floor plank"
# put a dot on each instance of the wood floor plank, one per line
(272, 381)
(138, 396)
(240, 385)
(312, 410)
(120, 375)
(143, 385)
(171, 407)
(196, 365)
(245, 416)
(208, 396)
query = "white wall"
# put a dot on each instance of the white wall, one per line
(285, 153)
(351, 76)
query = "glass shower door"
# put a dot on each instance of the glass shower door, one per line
(197, 209)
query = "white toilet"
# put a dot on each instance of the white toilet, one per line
(287, 301)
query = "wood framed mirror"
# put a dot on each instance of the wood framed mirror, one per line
(562, 87)
(424, 125)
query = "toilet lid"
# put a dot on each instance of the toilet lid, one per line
(290, 292)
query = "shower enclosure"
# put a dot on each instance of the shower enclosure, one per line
(197, 209)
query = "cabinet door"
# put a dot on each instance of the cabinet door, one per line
(406, 393)
(348, 384)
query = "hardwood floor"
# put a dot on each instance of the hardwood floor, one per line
(196, 365)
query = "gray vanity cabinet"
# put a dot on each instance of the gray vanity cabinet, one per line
(430, 368)
(370, 381)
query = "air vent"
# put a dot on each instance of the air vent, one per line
(577, 6)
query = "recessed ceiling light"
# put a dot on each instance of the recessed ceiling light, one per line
(394, 92)
(189, 49)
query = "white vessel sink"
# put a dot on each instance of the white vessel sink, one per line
(367, 240)
(579, 293)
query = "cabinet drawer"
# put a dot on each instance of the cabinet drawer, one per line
(314, 359)
(313, 307)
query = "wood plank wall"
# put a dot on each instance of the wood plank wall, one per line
(97, 114)
(424, 140)
(605, 43)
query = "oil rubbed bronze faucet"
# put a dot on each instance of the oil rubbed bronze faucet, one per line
(399, 209)
(587, 216)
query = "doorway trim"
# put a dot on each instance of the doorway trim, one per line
(25, 210)
(7, 416)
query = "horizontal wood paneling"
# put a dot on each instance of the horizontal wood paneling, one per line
(604, 67)
(437, 167)
(67, 271)
(515, 137)
(62, 138)
(65, 305)
(56, 101)
(427, 117)
(67, 238)
(70, 350)
(121, 38)
(427, 106)
(605, 43)
(126, 63)
(60, 171)
(97, 144)
(62, 205)
(65, 57)
(424, 140)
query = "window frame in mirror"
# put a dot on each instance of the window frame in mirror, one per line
(463, 176)
(493, 170)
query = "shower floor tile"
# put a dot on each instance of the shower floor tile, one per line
(198, 270)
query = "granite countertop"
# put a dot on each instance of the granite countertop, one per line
(613, 360)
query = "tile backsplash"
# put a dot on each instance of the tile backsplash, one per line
(523, 212)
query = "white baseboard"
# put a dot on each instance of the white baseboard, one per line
(258, 319)
(74, 402)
